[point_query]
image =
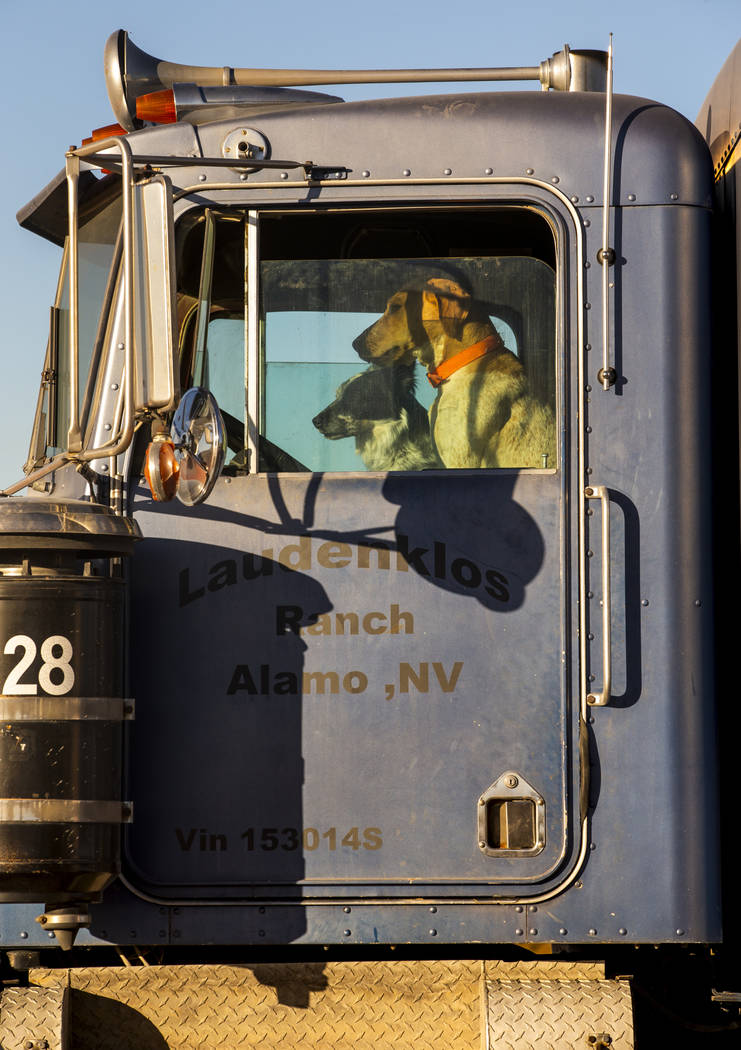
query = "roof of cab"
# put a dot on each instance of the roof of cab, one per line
(557, 138)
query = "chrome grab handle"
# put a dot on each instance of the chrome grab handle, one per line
(122, 439)
(600, 699)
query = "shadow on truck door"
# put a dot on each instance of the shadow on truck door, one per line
(216, 767)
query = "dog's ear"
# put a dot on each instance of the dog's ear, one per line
(447, 302)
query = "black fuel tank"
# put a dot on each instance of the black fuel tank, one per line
(62, 709)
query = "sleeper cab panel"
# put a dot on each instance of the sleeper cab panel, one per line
(653, 869)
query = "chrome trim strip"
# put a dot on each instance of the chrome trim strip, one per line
(203, 314)
(180, 902)
(63, 811)
(252, 358)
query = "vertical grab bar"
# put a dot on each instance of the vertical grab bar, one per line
(601, 699)
(74, 436)
(607, 375)
(122, 439)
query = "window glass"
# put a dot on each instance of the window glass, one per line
(390, 340)
(348, 345)
(298, 341)
(96, 248)
(211, 313)
(222, 372)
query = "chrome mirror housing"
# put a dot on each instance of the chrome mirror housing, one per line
(188, 463)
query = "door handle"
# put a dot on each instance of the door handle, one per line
(601, 698)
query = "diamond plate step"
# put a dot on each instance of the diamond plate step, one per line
(33, 1017)
(342, 1006)
(404, 1005)
(558, 1015)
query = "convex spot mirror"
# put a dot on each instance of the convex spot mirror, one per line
(188, 463)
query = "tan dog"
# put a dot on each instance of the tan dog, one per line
(484, 415)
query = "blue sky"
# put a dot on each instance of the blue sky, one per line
(53, 94)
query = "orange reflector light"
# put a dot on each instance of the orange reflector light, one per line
(161, 469)
(158, 107)
(109, 131)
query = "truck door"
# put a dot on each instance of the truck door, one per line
(355, 665)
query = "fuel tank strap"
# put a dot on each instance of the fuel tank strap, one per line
(65, 709)
(64, 811)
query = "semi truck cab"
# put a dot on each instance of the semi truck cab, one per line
(358, 596)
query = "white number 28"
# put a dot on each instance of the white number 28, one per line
(56, 652)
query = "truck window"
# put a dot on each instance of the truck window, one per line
(387, 341)
(98, 238)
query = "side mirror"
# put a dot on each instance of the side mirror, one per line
(188, 463)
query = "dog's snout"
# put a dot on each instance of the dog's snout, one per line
(360, 346)
(388, 340)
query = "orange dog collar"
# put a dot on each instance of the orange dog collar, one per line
(446, 368)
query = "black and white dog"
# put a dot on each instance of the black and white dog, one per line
(378, 408)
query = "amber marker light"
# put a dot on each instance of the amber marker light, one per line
(108, 132)
(158, 107)
(161, 469)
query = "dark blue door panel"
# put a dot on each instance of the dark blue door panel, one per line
(341, 667)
